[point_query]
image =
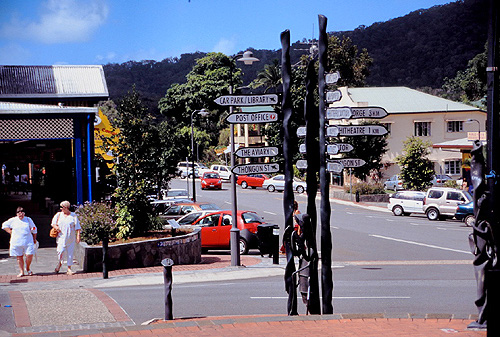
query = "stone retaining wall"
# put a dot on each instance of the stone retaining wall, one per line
(362, 198)
(182, 249)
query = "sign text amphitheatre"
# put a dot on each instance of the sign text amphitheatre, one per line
(256, 168)
(247, 100)
(252, 118)
(255, 152)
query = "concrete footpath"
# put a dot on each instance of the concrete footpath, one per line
(38, 305)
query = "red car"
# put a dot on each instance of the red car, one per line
(216, 227)
(211, 180)
(252, 180)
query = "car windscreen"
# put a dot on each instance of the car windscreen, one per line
(209, 207)
(249, 217)
(176, 193)
(211, 176)
(189, 219)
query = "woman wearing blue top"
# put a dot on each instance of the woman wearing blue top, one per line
(22, 232)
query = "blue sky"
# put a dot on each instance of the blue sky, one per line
(46, 32)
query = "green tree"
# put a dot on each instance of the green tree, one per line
(416, 168)
(269, 77)
(370, 149)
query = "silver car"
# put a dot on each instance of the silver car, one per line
(442, 202)
(277, 183)
(393, 183)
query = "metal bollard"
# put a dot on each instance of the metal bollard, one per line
(275, 250)
(167, 280)
(105, 242)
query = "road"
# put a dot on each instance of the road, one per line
(381, 264)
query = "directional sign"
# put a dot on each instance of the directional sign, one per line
(256, 168)
(302, 148)
(361, 130)
(338, 113)
(333, 96)
(339, 147)
(301, 164)
(247, 100)
(351, 162)
(256, 152)
(332, 131)
(301, 131)
(348, 112)
(252, 118)
(369, 112)
(334, 167)
(332, 78)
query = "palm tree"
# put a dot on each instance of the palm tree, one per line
(269, 77)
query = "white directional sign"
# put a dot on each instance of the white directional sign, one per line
(301, 164)
(256, 152)
(339, 147)
(302, 148)
(334, 167)
(252, 118)
(301, 131)
(247, 100)
(332, 78)
(333, 96)
(256, 168)
(351, 162)
(332, 131)
(361, 130)
(347, 112)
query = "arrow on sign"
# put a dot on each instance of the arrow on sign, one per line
(333, 96)
(361, 130)
(351, 162)
(247, 100)
(334, 167)
(252, 118)
(256, 168)
(256, 152)
(368, 112)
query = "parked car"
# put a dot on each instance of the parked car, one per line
(442, 202)
(216, 227)
(252, 180)
(440, 179)
(177, 210)
(211, 180)
(406, 202)
(175, 193)
(277, 183)
(160, 206)
(224, 171)
(393, 183)
(190, 218)
(185, 169)
(465, 212)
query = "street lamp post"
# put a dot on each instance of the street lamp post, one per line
(202, 113)
(248, 59)
(470, 120)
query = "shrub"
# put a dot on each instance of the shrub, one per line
(98, 220)
(451, 183)
(366, 188)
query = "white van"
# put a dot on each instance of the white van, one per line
(224, 171)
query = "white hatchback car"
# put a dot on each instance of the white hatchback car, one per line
(406, 202)
(277, 183)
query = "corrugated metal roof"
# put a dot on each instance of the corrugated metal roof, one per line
(53, 81)
(9, 108)
(399, 100)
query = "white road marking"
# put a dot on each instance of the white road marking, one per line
(269, 213)
(419, 244)
(454, 229)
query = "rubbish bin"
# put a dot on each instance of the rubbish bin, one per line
(268, 235)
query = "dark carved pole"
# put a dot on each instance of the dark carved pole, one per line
(105, 243)
(312, 157)
(325, 210)
(286, 106)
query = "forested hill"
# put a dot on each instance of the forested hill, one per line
(419, 49)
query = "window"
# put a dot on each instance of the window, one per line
(455, 126)
(452, 166)
(433, 194)
(422, 128)
(456, 196)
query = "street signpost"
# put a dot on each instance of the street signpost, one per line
(333, 96)
(348, 112)
(256, 168)
(355, 130)
(247, 100)
(334, 167)
(339, 147)
(257, 152)
(252, 118)
(350, 162)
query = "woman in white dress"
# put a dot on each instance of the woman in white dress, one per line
(22, 232)
(68, 226)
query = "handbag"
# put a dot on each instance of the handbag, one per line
(54, 232)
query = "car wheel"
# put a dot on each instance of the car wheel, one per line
(300, 189)
(243, 247)
(470, 220)
(190, 176)
(397, 210)
(432, 214)
(244, 184)
(271, 188)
